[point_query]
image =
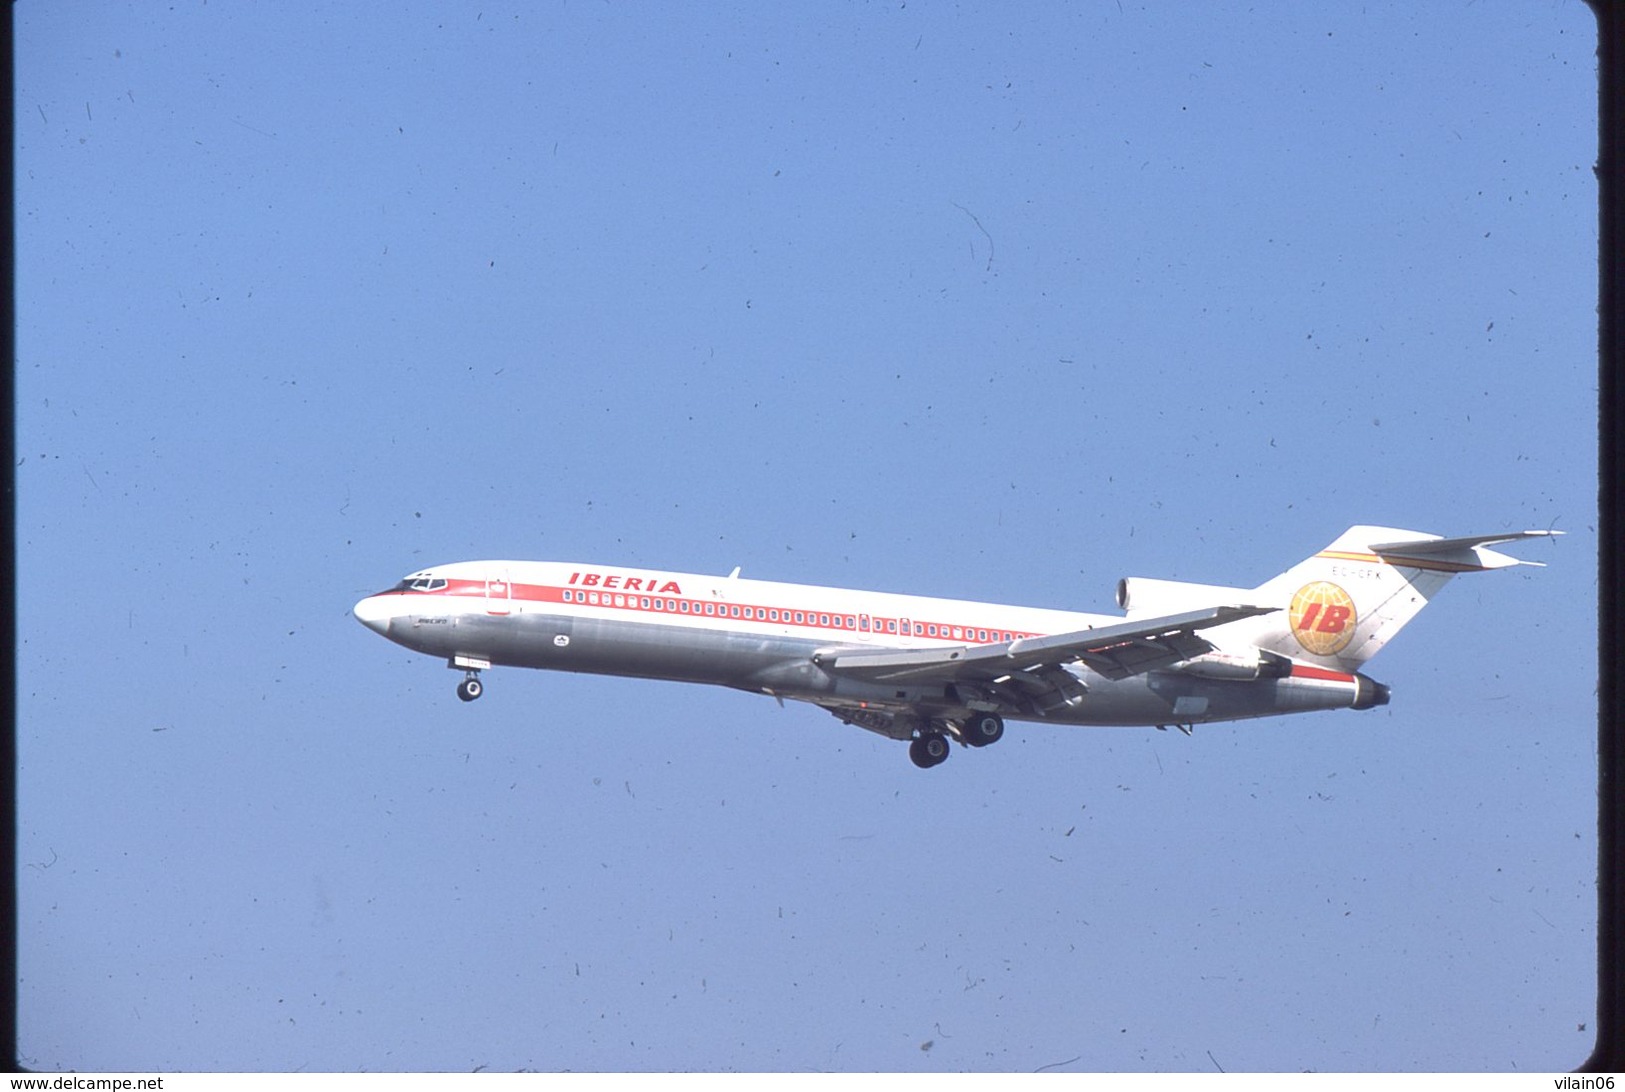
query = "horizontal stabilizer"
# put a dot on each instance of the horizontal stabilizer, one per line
(1469, 549)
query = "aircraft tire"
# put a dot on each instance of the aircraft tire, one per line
(469, 689)
(983, 729)
(929, 750)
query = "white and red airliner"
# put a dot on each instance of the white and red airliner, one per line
(933, 671)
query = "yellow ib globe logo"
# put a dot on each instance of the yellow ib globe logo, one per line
(1323, 618)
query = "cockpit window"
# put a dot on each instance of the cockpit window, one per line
(421, 583)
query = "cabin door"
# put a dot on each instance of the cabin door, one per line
(498, 595)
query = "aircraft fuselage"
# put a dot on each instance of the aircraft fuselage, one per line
(777, 639)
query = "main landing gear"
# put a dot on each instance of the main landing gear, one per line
(982, 729)
(930, 747)
(471, 687)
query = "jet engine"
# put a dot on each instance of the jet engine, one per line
(1368, 692)
(1144, 595)
(1240, 666)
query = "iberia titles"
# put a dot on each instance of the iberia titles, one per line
(651, 585)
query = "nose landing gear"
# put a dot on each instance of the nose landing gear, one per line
(471, 687)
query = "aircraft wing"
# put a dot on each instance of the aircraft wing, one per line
(1116, 652)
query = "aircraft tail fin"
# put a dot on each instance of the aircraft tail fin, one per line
(1341, 606)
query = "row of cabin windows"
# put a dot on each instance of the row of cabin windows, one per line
(858, 622)
(723, 610)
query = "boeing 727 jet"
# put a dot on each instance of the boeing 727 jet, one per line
(932, 672)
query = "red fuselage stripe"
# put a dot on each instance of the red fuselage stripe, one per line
(1302, 671)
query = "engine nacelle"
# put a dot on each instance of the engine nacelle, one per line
(1145, 595)
(1368, 692)
(1239, 666)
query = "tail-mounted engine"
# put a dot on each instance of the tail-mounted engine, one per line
(1240, 666)
(1145, 595)
(1368, 692)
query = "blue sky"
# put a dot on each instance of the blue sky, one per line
(921, 298)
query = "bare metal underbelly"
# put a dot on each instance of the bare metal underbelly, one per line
(784, 666)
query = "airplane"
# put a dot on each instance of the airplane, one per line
(932, 672)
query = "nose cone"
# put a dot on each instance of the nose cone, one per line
(374, 612)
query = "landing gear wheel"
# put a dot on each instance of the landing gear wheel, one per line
(982, 729)
(470, 688)
(929, 750)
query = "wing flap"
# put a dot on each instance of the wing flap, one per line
(1142, 654)
(1049, 688)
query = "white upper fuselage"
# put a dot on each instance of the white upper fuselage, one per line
(707, 602)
